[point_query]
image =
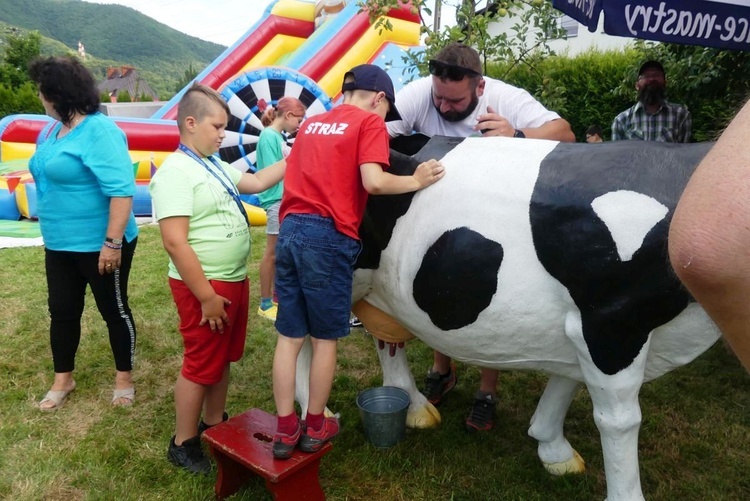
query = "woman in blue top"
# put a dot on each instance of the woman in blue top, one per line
(85, 186)
(286, 116)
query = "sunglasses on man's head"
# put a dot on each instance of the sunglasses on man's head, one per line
(450, 71)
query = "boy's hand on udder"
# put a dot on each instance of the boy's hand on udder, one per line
(215, 313)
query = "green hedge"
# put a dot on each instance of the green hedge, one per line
(593, 87)
(20, 100)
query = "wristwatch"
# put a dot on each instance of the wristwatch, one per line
(519, 133)
(114, 241)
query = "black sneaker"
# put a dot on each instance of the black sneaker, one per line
(354, 322)
(436, 385)
(202, 426)
(189, 455)
(482, 415)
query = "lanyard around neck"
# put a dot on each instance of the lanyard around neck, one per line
(232, 192)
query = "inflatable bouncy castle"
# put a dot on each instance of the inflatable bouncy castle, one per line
(282, 54)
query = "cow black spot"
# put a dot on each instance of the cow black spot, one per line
(383, 211)
(621, 301)
(457, 278)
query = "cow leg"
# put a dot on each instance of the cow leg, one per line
(302, 379)
(617, 415)
(556, 453)
(396, 372)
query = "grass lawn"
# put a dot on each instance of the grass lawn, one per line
(694, 441)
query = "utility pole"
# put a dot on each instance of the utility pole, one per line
(436, 15)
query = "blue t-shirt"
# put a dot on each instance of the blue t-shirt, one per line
(76, 176)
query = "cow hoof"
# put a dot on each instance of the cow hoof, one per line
(576, 464)
(426, 416)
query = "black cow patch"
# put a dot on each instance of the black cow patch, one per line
(457, 278)
(384, 210)
(621, 300)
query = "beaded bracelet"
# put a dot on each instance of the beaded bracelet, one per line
(115, 247)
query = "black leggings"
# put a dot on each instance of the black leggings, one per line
(68, 273)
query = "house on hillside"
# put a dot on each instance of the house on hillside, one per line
(126, 79)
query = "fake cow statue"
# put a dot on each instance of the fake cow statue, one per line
(534, 254)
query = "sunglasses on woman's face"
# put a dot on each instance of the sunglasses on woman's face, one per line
(450, 71)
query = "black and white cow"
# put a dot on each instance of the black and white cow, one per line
(535, 254)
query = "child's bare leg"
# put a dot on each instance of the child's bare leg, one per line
(216, 400)
(322, 370)
(268, 266)
(188, 400)
(285, 372)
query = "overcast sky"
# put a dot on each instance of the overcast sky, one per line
(220, 21)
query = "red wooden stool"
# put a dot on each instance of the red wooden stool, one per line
(242, 446)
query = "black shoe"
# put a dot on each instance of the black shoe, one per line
(482, 415)
(437, 385)
(354, 322)
(202, 426)
(189, 455)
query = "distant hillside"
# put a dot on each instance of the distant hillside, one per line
(113, 34)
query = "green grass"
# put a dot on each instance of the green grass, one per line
(694, 441)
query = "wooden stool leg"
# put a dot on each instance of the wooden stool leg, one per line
(230, 475)
(303, 485)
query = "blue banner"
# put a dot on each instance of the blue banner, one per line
(585, 12)
(712, 23)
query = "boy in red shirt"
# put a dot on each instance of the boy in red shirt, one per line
(339, 157)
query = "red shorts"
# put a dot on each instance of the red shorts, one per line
(208, 353)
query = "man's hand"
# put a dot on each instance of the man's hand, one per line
(492, 124)
(429, 172)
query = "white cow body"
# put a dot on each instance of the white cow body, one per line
(528, 299)
(532, 321)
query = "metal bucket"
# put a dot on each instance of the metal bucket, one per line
(383, 414)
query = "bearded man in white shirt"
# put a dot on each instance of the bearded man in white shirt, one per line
(457, 100)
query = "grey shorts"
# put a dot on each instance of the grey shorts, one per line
(272, 219)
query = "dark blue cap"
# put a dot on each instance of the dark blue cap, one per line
(373, 78)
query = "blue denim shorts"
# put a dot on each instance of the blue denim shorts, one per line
(314, 268)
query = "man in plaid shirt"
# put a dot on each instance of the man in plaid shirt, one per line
(653, 118)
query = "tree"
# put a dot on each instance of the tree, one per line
(186, 78)
(17, 93)
(27, 99)
(527, 43)
(21, 50)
